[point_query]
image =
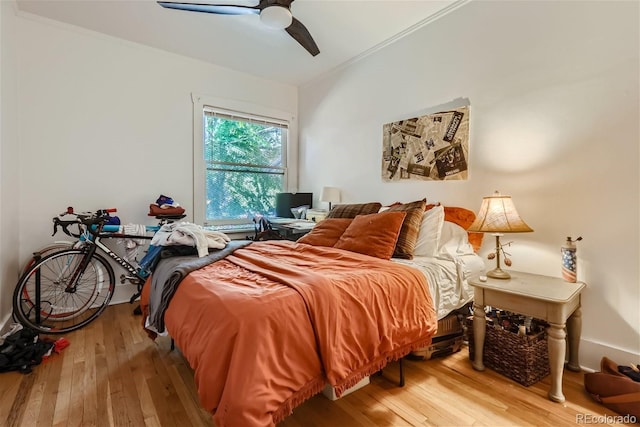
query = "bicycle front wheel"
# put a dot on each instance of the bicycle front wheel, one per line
(47, 301)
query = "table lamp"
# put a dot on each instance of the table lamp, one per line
(331, 195)
(498, 215)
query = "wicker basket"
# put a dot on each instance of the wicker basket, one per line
(524, 359)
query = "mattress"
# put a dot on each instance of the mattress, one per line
(448, 279)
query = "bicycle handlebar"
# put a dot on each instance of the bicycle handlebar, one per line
(86, 218)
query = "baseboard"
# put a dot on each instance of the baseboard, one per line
(122, 294)
(592, 352)
(4, 323)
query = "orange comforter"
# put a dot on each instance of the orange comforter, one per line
(265, 328)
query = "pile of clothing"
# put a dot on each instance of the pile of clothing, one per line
(182, 238)
(21, 349)
(178, 238)
(165, 206)
(192, 235)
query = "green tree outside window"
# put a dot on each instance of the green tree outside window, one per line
(245, 166)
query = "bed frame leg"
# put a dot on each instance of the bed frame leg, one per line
(401, 379)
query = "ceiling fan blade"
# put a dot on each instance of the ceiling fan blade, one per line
(220, 9)
(300, 33)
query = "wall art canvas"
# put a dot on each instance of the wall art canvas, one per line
(434, 147)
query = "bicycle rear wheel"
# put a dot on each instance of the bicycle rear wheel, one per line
(45, 300)
(47, 250)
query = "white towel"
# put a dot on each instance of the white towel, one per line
(188, 234)
(131, 245)
(216, 239)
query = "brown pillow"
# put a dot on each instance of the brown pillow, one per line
(351, 211)
(464, 218)
(326, 232)
(374, 234)
(408, 237)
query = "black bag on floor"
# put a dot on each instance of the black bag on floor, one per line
(21, 350)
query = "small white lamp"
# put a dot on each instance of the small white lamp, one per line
(331, 195)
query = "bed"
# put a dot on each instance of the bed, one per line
(268, 324)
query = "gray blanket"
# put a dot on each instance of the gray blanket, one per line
(169, 273)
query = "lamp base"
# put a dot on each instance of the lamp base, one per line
(498, 273)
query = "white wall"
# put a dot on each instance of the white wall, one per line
(108, 123)
(554, 96)
(9, 188)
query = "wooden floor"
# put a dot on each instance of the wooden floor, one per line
(113, 375)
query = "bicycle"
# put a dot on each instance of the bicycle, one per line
(69, 287)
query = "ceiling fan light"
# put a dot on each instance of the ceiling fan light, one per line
(276, 17)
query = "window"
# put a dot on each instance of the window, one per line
(245, 165)
(242, 160)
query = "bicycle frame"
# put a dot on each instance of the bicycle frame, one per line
(113, 232)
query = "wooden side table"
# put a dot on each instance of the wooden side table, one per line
(543, 297)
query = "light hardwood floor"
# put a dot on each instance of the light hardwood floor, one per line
(112, 374)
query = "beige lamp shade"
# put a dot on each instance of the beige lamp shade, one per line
(498, 214)
(330, 194)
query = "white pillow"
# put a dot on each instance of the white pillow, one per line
(430, 230)
(454, 241)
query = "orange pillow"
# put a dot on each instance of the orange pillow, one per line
(464, 218)
(374, 234)
(326, 232)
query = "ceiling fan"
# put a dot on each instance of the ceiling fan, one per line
(273, 13)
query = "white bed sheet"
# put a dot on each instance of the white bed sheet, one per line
(448, 279)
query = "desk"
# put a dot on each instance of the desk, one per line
(543, 297)
(291, 229)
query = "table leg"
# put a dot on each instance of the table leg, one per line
(479, 329)
(557, 351)
(574, 329)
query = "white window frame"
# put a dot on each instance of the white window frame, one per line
(202, 102)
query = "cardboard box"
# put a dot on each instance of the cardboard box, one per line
(330, 393)
(448, 339)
